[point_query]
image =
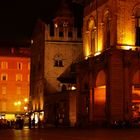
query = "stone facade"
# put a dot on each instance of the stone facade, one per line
(108, 78)
(55, 47)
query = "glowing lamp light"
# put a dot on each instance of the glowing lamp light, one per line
(19, 102)
(25, 108)
(97, 53)
(15, 103)
(41, 116)
(32, 41)
(73, 88)
(25, 100)
(86, 57)
(126, 47)
(56, 25)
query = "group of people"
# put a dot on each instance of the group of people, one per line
(19, 123)
(6, 124)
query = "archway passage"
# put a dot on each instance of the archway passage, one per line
(100, 96)
(136, 95)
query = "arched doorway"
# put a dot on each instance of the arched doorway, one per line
(100, 96)
(136, 95)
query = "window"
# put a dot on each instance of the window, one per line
(3, 106)
(92, 35)
(107, 29)
(4, 77)
(58, 62)
(61, 34)
(137, 18)
(138, 31)
(18, 90)
(4, 65)
(18, 77)
(19, 65)
(3, 90)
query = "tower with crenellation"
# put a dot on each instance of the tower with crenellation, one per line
(55, 47)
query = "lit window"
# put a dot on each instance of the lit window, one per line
(4, 65)
(19, 65)
(4, 77)
(18, 77)
(18, 90)
(4, 90)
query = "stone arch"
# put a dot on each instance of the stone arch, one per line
(85, 82)
(135, 8)
(100, 96)
(84, 98)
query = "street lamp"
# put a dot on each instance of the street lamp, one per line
(25, 100)
(25, 108)
(18, 103)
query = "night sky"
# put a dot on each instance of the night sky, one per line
(17, 17)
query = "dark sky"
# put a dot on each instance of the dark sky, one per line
(17, 17)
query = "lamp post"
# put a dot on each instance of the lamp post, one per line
(24, 103)
(18, 104)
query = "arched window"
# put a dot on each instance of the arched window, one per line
(107, 29)
(93, 33)
(137, 16)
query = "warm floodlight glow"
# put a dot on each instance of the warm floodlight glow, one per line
(86, 57)
(25, 100)
(56, 25)
(25, 108)
(126, 47)
(73, 88)
(19, 102)
(32, 41)
(97, 53)
(101, 86)
(41, 116)
(15, 103)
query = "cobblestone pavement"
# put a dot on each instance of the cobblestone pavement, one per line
(70, 134)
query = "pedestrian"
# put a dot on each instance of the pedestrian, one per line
(29, 122)
(33, 122)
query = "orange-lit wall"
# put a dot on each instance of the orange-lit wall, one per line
(10, 96)
(122, 24)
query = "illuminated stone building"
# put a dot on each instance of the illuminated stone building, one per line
(109, 77)
(55, 47)
(14, 81)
